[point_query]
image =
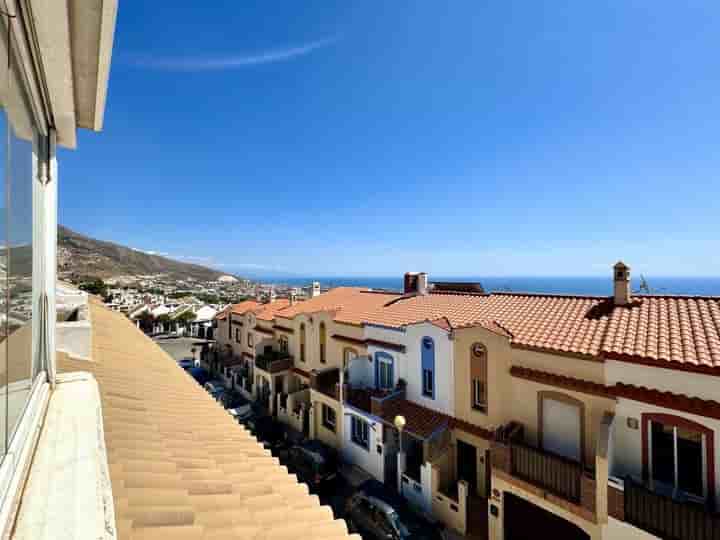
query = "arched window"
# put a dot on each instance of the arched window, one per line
(323, 343)
(478, 376)
(283, 344)
(427, 354)
(302, 342)
(383, 370)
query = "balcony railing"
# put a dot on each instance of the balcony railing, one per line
(553, 473)
(666, 517)
(556, 475)
(273, 361)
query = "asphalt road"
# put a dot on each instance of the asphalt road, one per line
(180, 348)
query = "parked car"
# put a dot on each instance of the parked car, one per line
(315, 463)
(270, 432)
(214, 387)
(375, 512)
(232, 400)
(186, 363)
(201, 375)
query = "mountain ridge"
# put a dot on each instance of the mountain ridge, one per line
(83, 257)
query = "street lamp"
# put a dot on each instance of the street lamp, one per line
(400, 425)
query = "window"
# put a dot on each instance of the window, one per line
(283, 344)
(302, 342)
(323, 343)
(383, 370)
(678, 459)
(238, 336)
(328, 417)
(359, 432)
(250, 340)
(478, 376)
(427, 353)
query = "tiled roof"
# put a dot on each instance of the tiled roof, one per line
(243, 307)
(420, 421)
(351, 305)
(266, 312)
(180, 466)
(457, 309)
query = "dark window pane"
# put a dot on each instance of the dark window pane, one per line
(690, 467)
(663, 462)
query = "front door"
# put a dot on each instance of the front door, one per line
(467, 465)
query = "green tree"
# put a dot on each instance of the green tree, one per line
(96, 286)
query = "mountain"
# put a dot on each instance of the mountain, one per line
(83, 257)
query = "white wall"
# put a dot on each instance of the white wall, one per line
(361, 372)
(668, 380)
(617, 530)
(408, 365)
(369, 459)
(627, 452)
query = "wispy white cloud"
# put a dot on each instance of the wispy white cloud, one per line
(225, 62)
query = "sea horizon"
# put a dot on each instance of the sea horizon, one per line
(576, 285)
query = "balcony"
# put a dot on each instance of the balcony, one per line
(273, 361)
(660, 514)
(551, 476)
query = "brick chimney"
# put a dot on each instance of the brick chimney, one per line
(621, 281)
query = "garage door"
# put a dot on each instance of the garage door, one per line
(561, 428)
(523, 521)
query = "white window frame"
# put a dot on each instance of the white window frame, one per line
(428, 389)
(360, 432)
(675, 487)
(385, 369)
(477, 403)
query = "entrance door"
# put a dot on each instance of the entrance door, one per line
(561, 428)
(390, 457)
(467, 465)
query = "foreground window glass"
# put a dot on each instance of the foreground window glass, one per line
(16, 235)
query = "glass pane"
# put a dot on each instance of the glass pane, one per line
(663, 461)
(3, 281)
(690, 462)
(18, 247)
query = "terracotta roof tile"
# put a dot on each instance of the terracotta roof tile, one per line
(186, 471)
(350, 304)
(421, 421)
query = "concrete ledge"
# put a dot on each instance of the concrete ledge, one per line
(68, 492)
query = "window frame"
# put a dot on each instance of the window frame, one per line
(326, 421)
(384, 359)
(478, 383)
(322, 331)
(708, 452)
(250, 339)
(302, 342)
(360, 428)
(427, 367)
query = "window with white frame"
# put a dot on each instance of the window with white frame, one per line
(677, 459)
(384, 370)
(328, 417)
(427, 360)
(360, 432)
(478, 376)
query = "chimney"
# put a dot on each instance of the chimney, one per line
(415, 282)
(293, 297)
(315, 289)
(273, 296)
(621, 280)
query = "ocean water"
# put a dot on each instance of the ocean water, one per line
(700, 286)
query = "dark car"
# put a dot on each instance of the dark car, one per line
(315, 463)
(232, 400)
(375, 512)
(186, 363)
(270, 432)
(201, 375)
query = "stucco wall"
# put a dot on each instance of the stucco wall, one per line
(672, 380)
(408, 365)
(369, 460)
(498, 383)
(627, 455)
(620, 530)
(333, 439)
(524, 400)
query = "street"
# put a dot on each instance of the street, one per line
(180, 348)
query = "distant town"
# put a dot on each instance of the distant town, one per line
(160, 303)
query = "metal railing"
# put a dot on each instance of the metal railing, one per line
(556, 474)
(273, 361)
(666, 517)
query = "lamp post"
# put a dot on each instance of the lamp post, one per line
(400, 425)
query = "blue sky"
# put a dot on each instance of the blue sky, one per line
(369, 138)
